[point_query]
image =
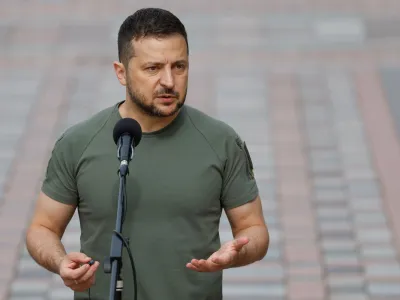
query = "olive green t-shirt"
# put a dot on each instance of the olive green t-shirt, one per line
(180, 179)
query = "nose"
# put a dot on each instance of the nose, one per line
(167, 80)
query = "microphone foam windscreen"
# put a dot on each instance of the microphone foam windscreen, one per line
(128, 126)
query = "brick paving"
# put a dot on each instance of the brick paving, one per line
(310, 85)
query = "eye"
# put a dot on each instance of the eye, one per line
(181, 66)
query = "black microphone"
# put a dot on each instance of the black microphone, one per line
(127, 134)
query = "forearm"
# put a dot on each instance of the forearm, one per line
(256, 248)
(45, 247)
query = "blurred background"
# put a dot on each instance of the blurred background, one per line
(311, 86)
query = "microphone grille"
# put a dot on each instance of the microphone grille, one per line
(128, 126)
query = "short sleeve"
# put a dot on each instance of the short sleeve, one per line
(59, 181)
(239, 183)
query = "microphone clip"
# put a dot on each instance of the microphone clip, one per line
(125, 152)
(119, 152)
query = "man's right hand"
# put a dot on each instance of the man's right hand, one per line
(76, 273)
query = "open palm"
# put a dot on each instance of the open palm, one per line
(224, 258)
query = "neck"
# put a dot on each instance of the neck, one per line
(128, 109)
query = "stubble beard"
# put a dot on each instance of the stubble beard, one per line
(150, 109)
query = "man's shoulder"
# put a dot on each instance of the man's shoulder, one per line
(219, 135)
(212, 127)
(81, 133)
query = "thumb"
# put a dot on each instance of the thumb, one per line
(240, 242)
(78, 257)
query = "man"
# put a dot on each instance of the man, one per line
(187, 168)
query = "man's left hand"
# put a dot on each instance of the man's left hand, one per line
(224, 258)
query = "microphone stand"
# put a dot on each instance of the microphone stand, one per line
(113, 264)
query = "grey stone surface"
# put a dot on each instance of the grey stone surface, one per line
(28, 268)
(369, 218)
(60, 294)
(344, 270)
(366, 204)
(267, 189)
(330, 196)
(354, 160)
(339, 244)
(369, 235)
(336, 253)
(254, 272)
(338, 234)
(382, 29)
(380, 251)
(28, 298)
(340, 30)
(30, 287)
(264, 289)
(388, 269)
(384, 289)
(333, 213)
(324, 156)
(325, 166)
(272, 219)
(329, 226)
(390, 77)
(335, 259)
(233, 297)
(274, 255)
(317, 114)
(366, 188)
(349, 296)
(321, 182)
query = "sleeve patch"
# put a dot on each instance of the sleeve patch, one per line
(250, 167)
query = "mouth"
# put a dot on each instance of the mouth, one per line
(166, 96)
(166, 99)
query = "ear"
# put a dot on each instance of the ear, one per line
(120, 72)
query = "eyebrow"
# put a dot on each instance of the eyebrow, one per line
(157, 63)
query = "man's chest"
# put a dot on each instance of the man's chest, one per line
(163, 184)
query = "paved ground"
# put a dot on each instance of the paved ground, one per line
(311, 86)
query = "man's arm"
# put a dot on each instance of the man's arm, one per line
(43, 237)
(248, 221)
(250, 244)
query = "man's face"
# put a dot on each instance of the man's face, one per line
(157, 76)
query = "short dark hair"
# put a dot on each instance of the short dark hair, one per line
(144, 22)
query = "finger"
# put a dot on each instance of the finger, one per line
(204, 265)
(222, 259)
(79, 257)
(192, 267)
(89, 274)
(195, 263)
(73, 265)
(207, 266)
(75, 274)
(198, 265)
